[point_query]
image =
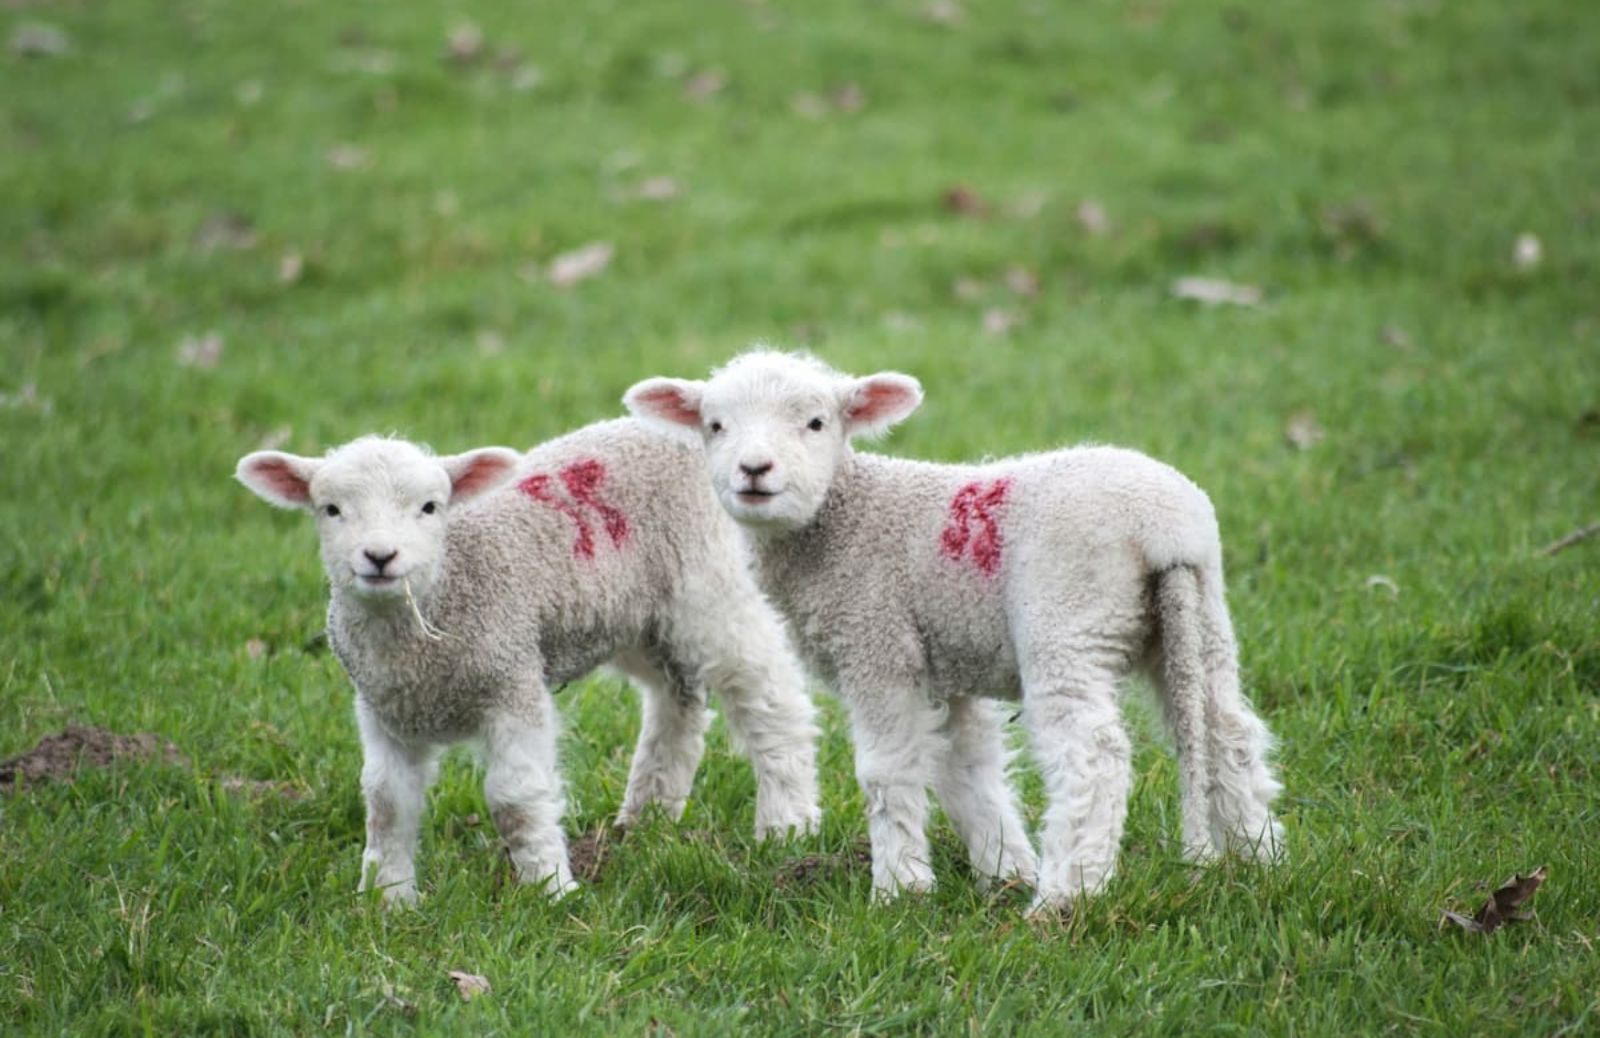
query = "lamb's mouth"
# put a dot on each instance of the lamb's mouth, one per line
(754, 496)
(377, 580)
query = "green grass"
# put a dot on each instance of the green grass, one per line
(1368, 164)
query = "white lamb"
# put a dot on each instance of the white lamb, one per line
(454, 620)
(913, 587)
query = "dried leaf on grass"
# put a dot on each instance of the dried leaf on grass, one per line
(347, 157)
(1303, 431)
(965, 201)
(470, 985)
(1502, 905)
(82, 746)
(1528, 252)
(997, 321)
(1214, 291)
(704, 85)
(225, 230)
(200, 351)
(36, 39)
(465, 43)
(282, 789)
(1091, 216)
(571, 267)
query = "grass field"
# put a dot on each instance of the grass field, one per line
(225, 224)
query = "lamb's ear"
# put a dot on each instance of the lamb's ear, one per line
(874, 403)
(278, 478)
(476, 471)
(672, 401)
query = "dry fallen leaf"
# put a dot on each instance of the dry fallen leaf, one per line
(571, 267)
(1022, 281)
(964, 201)
(27, 398)
(470, 985)
(1303, 431)
(249, 92)
(1528, 252)
(1394, 335)
(657, 189)
(944, 12)
(255, 648)
(808, 106)
(200, 351)
(1502, 905)
(966, 289)
(36, 39)
(276, 438)
(849, 98)
(1212, 291)
(998, 322)
(347, 157)
(291, 267)
(703, 85)
(1093, 219)
(465, 43)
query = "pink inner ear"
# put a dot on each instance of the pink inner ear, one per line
(882, 400)
(482, 472)
(278, 477)
(668, 402)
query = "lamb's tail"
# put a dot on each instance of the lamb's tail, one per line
(1223, 748)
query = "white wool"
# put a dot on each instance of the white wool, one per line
(465, 588)
(916, 590)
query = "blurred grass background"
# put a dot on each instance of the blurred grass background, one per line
(227, 224)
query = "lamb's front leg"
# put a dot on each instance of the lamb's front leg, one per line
(744, 655)
(897, 749)
(523, 788)
(977, 796)
(394, 782)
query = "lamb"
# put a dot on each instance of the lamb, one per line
(465, 587)
(916, 588)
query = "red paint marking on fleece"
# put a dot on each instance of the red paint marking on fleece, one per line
(582, 480)
(972, 506)
(538, 488)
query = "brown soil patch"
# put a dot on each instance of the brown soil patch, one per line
(57, 757)
(809, 871)
(588, 853)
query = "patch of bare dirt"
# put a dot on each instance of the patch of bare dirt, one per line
(58, 757)
(813, 869)
(588, 853)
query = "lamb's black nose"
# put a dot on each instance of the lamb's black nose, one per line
(380, 561)
(754, 471)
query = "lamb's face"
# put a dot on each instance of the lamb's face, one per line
(380, 511)
(772, 444)
(775, 427)
(380, 506)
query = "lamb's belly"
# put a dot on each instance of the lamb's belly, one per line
(419, 713)
(987, 668)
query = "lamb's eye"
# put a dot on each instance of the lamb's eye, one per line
(430, 508)
(331, 511)
(715, 428)
(815, 425)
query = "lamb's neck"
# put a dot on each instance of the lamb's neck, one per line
(810, 547)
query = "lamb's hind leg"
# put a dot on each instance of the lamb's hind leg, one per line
(671, 742)
(1082, 750)
(976, 795)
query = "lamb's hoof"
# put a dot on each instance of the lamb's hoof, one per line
(1051, 909)
(790, 826)
(915, 885)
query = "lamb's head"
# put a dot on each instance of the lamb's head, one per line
(775, 427)
(380, 506)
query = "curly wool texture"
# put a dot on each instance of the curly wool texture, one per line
(602, 545)
(913, 587)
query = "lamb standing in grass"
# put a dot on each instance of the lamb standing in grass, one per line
(914, 587)
(455, 620)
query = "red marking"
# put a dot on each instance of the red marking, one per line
(582, 480)
(973, 505)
